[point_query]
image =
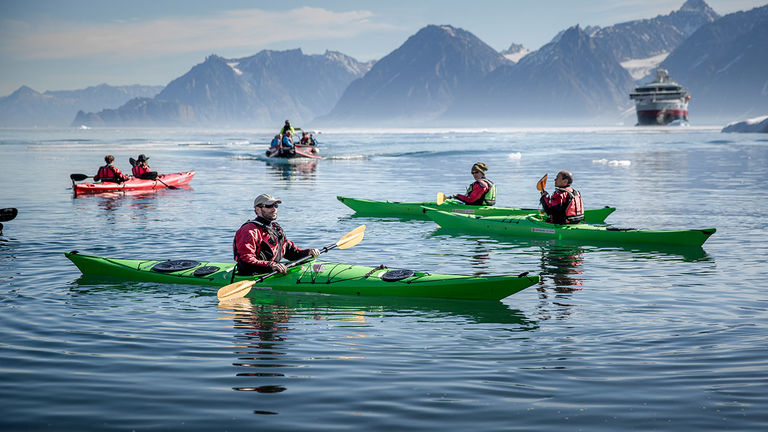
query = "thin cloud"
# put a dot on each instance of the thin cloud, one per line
(245, 28)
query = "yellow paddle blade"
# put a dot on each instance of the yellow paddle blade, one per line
(542, 184)
(235, 290)
(351, 238)
(440, 198)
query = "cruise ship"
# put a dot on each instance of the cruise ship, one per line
(661, 101)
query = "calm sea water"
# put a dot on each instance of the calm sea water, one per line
(614, 338)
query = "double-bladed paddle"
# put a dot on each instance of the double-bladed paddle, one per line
(7, 214)
(241, 288)
(79, 177)
(542, 184)
(440, 198)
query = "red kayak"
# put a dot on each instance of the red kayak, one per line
(170, 181)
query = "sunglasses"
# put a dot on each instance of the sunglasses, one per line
(267, 205)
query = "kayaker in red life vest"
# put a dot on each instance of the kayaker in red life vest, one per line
(260, 244)
(141, 169)
(109, 172)
(565, 205)
(482, 191)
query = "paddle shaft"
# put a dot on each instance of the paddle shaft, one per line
(291, 265)
(166, 184)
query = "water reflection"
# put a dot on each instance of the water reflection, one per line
(143, 201)
(563, 264)
(480, 259)
(268, 329)
(294, 170)
(685, 253)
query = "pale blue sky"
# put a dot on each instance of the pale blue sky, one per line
(66, 45)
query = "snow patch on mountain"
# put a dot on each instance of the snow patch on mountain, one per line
(233, 65)
(640, 68)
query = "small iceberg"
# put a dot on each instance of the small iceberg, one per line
(679, 123)
(516, 155)
(753, 125)
(612, 162)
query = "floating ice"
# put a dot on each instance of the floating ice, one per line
(605, 161)
(517, 155)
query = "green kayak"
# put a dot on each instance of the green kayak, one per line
(312, 277)
(534, 226)
(414, 209)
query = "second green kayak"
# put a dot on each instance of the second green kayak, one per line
(312, 277)
(535, 226)
(414, 209)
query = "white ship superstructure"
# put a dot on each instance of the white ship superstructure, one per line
(661, 101)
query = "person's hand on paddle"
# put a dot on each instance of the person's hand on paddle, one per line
(278, 267)
(314, 252)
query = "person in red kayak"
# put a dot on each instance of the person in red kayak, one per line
(109, 172)
(260, 244)
(141, 169)
(482, 191)
(565, 205)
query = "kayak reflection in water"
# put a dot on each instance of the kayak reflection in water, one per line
(482, 191)
(565, 205)
(260, 244)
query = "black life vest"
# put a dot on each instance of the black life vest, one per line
(275, 240)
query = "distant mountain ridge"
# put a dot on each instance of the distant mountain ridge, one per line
(444, 75)
(725, 67)
(260, 90)
(419, 80)
(571, 77)
(649, 37)
(26, 107)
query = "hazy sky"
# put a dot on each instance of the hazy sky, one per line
(73, 44)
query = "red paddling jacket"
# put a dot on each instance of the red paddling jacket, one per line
(564, 206)
(139, 170)
(258, 243)
(481, 192)
(110, 173)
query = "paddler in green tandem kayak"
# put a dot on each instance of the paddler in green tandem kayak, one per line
(481, 192)
(565, 205)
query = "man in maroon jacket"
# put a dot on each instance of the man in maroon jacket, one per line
(260, 244)
(565, 205)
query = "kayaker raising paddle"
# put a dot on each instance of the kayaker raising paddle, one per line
(482, 191)
(260, 244)
(565, 205)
